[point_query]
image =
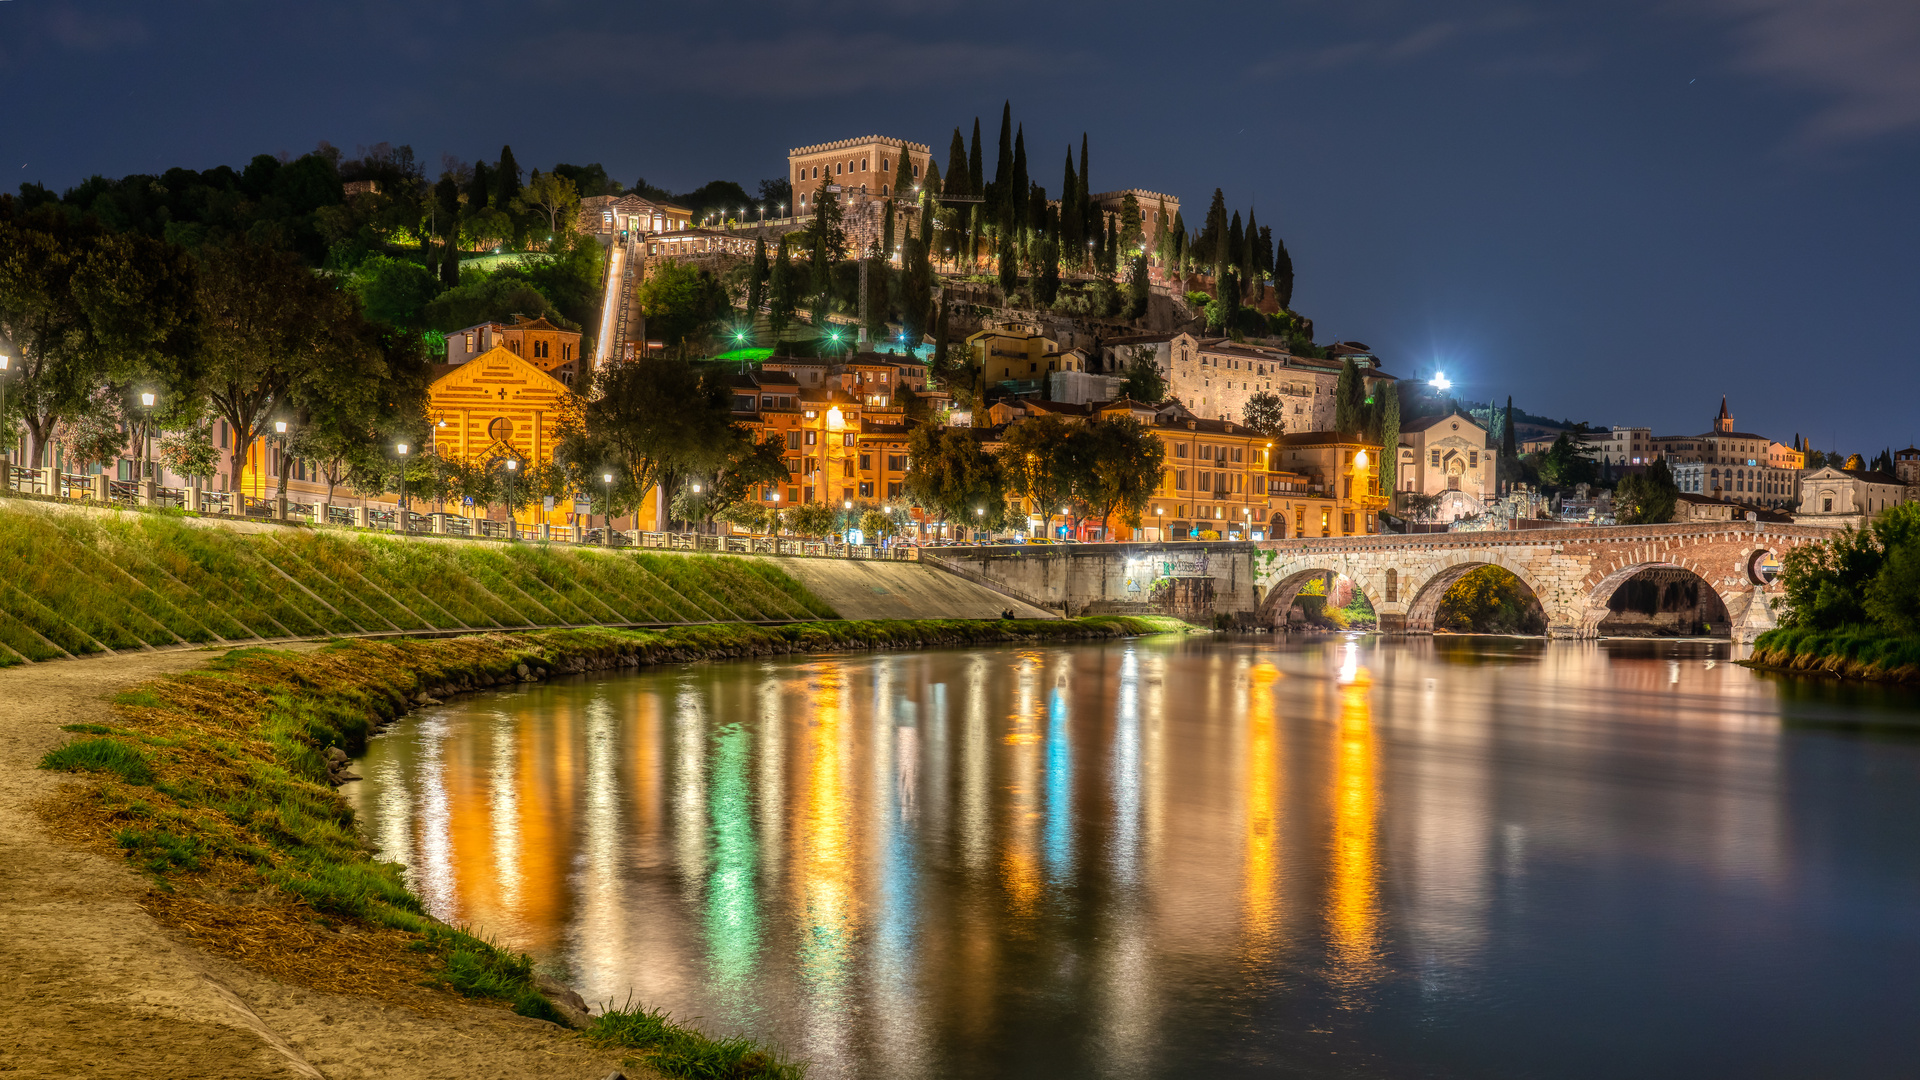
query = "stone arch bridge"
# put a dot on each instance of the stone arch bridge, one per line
(1572, 572)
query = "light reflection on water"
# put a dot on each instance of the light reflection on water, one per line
(1225, 857)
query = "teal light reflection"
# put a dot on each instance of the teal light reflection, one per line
(733, 911)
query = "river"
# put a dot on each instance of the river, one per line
(1200, 857)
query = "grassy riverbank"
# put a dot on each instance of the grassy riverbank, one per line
(216, 783)
(78, 584)
(1848, 652)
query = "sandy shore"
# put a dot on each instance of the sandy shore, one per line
(95, 985)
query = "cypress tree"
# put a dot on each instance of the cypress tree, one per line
(929, 198)
(1070, 234)
(1266, 251)
(1177, 262)
(903, 176)
(886, 232)
(1250, 267)
(1508, 447)
(1003, 164)
(1236, 243)
(479, 187)
(1162, 235)
(974, 176)
(506, 180)
(1089, 213)
(956, 183)
(1208, 246)
(1021, 190)
(1282, 274)
(781, 298)
(1389, 437)
(757, 280)
(1348, 399)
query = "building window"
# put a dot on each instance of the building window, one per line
(1346, 523)
(896, 463)
(1433, 459)
(893, 490)
(866, 462)
(812, 437)
(866, 490)
(1473, 459)
(846, 439)
(793, 440)
(1326, 521)
(1180, 480)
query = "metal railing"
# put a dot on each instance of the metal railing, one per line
(99, 489)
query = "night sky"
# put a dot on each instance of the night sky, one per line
(1616, 212)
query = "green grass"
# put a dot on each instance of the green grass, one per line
(105, 755)
(221, 772)
(676, 1050)
(1850, 652)
(74, 585)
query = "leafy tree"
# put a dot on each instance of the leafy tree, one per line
(776, 195)
(812, 519)
(681, 302)
(876, 524)
(1867, 577)
(948, 472)
(1009, 267)
(1566, 463)
(1490, 600)
(1647, 499)
(589, 181)
(720, 198)
(1116, 469)
(96, 431)
(647, 423)
(267, 325)
(80, 306)
(396, 291)
(487, 298)
(1036, 458)
(748, 466)
(189, 451)
(1265, 413)
(553, 197)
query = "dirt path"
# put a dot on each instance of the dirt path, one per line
(92, 985)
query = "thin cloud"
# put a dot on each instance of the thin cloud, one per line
(1862, 56)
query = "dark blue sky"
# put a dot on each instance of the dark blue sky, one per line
(1613, 211)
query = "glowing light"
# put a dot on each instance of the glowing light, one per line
(402, 448)
(279, 426)
(1439, 381)
(1360, 460)
(146, 400)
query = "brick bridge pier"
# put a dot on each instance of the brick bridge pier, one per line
(1572, 572)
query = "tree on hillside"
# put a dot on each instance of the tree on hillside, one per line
(1139, 287)
(1002, 166)
(1009, 266)
(588, 180)
(506, 179)
(681, 303)
(949, 473)
(1282, 274)
(1072, 225)
(553, 197)
(1566, 463)
(1209, 246)
(1046, 284)
(1265, 413)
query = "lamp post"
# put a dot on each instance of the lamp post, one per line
(979, 515)
(1158, 528)
(607, 479)
(513, 466)
(400, 511)
(146, 422)
(6, 459)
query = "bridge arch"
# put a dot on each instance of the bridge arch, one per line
(1598, 607)
(1423, 605)
(1281, 594)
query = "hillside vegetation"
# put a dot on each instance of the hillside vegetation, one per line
(73, 584)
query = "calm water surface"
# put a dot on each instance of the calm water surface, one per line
(1215, 858)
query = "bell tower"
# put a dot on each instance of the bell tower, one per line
(1723, 423)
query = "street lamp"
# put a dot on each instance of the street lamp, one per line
(146, 424)
(5, 363)
(607, 479)
(280, 436)
(401, 510)
(513, 466)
